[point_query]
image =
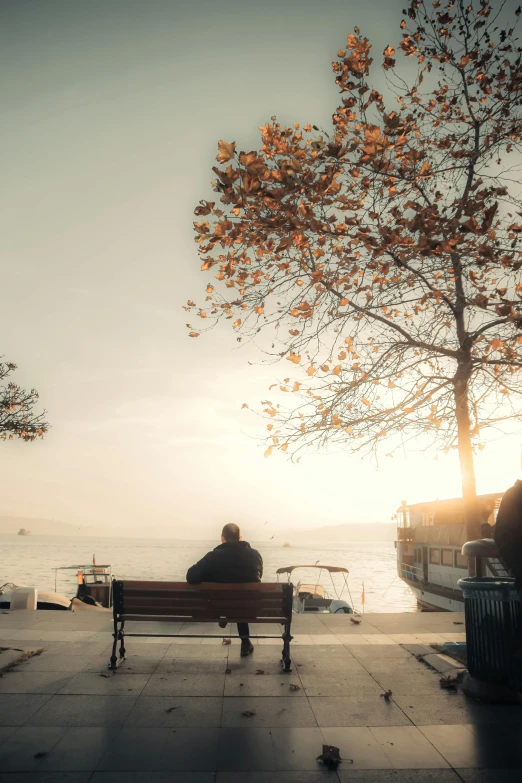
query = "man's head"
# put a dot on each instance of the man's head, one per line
(231, 534)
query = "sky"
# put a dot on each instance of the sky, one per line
(112, 110)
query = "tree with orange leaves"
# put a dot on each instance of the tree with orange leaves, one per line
(384, 255)
(17, 417)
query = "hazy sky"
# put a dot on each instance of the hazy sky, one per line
(111, 114)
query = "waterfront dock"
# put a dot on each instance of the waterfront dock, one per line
(192, 711)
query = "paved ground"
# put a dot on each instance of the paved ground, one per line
(174, 711)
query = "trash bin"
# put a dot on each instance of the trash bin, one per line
(493, 619)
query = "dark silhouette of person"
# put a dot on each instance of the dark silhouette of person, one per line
(233, 560)
(508, 531)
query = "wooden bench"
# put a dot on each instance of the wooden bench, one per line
(210, 602)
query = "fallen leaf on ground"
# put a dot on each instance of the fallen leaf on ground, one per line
(450, 683)
(354, 621)
(260, 671)
(330, 756)
(41, 755)
(386, 695)
(171, 709)
(248, 713)
(458, 622)
(106, 674)
(226, 641)
(228, 671)
(294, 687)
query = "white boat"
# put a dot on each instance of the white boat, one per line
(44, 599)
(313, 596)
(430, 537)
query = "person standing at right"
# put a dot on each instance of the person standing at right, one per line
(508, 532)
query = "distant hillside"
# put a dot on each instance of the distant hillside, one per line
(45, 527)
(353, 531)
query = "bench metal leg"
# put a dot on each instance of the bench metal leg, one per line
(118, 635)
(122, 641)
(286, 661)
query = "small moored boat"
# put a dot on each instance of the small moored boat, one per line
(313, 596)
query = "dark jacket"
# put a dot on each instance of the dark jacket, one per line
(228, 562)
(508, 531)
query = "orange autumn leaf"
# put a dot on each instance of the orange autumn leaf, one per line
(366, 402)
(268, 451)
(310, 370)
(284, 447)
(337, 370)
(294, 358)
(193, 334)
(226, 151)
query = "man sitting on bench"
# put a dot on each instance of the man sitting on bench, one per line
(233, 560)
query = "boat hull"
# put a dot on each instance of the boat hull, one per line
(45, 601)
(431, 598)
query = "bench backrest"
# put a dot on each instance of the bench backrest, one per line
(260, 602)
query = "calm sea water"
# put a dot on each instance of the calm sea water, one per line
(30, 561)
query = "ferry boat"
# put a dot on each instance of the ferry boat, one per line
(430, 537)
(24, 532)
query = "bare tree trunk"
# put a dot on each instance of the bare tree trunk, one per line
(467, 468)
(461, 391)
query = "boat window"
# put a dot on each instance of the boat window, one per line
(435, 556)
(447, 557)
(461, 561)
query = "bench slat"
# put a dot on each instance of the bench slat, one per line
(211, 613)
(170, 605)
(262, 587)
(191, 619)
(202, 595)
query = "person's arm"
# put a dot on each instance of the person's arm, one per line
(260, 567)
(200, 572)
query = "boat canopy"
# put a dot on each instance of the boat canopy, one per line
(82, 567)
(331, 569)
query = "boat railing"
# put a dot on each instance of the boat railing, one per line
(412, 572)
